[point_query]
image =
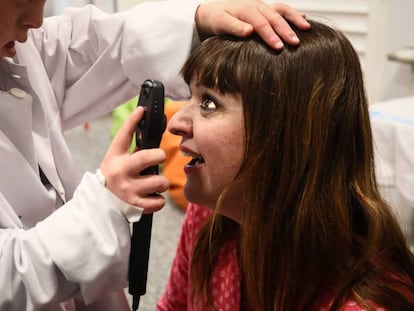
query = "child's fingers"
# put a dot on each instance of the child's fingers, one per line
(122, 140)
(142, 159)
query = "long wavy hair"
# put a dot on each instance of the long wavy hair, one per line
(313, 221)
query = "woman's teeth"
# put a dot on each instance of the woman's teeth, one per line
(196, 159)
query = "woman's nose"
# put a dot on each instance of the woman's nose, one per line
(181, 122)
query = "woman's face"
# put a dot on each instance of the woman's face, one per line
(17, 17)
(212, 131)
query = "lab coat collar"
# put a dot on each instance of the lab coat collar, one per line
(11, 74)
(15, 75)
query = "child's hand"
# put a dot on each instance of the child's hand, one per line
(242, 17)
(122, 169)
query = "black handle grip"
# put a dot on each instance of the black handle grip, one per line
(148, 135)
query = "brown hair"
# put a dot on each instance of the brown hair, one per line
(313, 221)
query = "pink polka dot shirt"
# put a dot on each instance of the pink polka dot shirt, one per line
(226, 278)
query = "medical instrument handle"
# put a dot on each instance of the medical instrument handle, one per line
(148, 135)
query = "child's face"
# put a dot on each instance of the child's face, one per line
(16, 18)
(212, 130)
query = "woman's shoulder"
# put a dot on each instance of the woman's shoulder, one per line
(351, 305)
(354, 306)
(195, 216)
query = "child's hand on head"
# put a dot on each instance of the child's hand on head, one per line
(243, 17)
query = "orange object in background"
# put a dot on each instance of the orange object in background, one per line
(173, 167)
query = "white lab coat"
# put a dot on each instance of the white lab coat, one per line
(75, 68)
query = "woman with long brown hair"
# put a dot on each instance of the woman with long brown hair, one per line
(286, 212)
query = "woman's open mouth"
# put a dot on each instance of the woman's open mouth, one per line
(195, 159)
(195, 163)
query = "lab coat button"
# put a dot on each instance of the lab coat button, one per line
(19, 93)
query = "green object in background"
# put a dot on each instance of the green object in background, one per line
(122, 112)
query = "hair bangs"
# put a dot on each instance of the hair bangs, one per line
(214, 67)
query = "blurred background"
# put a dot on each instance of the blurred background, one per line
(381, 33)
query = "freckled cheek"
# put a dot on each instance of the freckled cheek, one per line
(226, 159)
(221, 145)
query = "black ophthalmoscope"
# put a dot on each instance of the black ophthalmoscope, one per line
(148, 135)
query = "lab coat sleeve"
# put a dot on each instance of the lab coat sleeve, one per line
(96, 61)
(78, 248)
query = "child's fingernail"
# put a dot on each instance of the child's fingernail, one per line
(279, 45)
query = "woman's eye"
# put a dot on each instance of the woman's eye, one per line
(208, 103)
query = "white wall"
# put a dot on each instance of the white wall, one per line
(375, 28)
(398, 78)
